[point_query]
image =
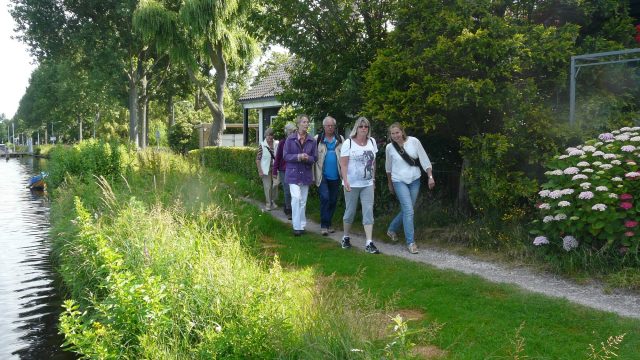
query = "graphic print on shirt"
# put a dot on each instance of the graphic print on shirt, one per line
(364, 164)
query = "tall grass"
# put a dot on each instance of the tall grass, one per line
(157, 267)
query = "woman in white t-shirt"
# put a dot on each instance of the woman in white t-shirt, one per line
(358, 167)
(404, 157)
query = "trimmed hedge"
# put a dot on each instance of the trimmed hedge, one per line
(235, 160)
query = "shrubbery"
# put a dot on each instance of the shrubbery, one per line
(591, 198)
(234, 160)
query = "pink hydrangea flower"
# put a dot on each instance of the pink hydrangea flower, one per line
(626, 196)
(629, 233)
(632, 175)
(626, 205)
(630, 223)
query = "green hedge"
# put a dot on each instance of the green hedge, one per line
(235, 160)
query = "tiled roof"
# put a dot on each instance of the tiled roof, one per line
(269, 87)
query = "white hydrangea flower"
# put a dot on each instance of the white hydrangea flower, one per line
(560, 217)
(613, 196)
(616, 162)
(564, 203)
(544, 193)
(599, 207)
(579, 177)
(547, 219)
(554, 172)
(598, 153)
(582, 164)
(544, 206)
(635, 139)
(599, 143)
(571, 170)
(566, 191)
(615, 132)
(601, 188)
(589, 148)
(597, 163)
(628, 148)
(569, 243)
(585, 185)
(616, 178)
(540, 240)
(570, 149)
(622, 137)
(585, 195)
(555, 194)
(609, 156)
(606, 166)
(625, 128)
(587, 170)
(576, 152)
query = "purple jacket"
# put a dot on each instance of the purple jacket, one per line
(279, 164)
(299, 172)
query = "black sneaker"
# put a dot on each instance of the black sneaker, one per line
(371, 249)
(346, 242)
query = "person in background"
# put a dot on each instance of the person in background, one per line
(264, 162)
(300, 154)
(327, 172)
(280, 167)
(358, 166)
(404, 158)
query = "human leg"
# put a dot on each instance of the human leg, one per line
(266, 185)
(287, 193)
(304, 193)
(323, 192)
(408, 210)
(296, 194)
(274, 192)
(334, 190)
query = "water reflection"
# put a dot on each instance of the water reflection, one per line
(29, 303)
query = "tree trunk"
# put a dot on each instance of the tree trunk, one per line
(79, 128)
(142, 107)
(95, 124)
(219, 63)
(171, 112)
(133, 107)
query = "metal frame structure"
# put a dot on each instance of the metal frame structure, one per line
(593, 60)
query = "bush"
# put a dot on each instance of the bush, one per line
(86, 159)
(590, 199)
(182, 137)
(234, 160)
(494, 187)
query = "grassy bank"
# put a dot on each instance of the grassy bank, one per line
(165, 260)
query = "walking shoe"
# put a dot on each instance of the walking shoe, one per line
(274, 206)
(412, 248)
(331, 230)
(392, 235)
(267, 207)
(298, 232)
(324, 232)
(371, 249)
(346, 242)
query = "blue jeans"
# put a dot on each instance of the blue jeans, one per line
(407, 195)
(328, 191)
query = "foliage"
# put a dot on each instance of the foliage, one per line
(490, 178)
(181, 136)
(333, 41)
(233, 160)
(590, 198)
(286, 114)
(87, 159)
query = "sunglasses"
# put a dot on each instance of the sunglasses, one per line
(363, 126)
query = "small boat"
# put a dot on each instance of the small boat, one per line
(37, 182)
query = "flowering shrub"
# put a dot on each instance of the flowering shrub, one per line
(592, 197)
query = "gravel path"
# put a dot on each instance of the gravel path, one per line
(591, 295)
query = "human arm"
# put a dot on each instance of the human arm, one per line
(425, 163)
(258, 160)
(344, 162)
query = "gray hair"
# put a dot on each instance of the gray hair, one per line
(289, 128)
(361, 120)
(268, 132)
(328, 118)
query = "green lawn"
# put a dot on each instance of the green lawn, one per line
(480, 318)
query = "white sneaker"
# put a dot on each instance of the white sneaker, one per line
(412, 248)
(392, 235)
(274, 206)
(267, 207)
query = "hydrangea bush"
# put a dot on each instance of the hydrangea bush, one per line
(591, 199)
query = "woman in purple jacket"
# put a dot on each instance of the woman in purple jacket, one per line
(300, 154)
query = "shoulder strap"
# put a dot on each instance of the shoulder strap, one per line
(270, 152)
(411, 161)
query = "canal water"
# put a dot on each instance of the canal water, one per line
(29, 303)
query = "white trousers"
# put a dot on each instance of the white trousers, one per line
(299, 205)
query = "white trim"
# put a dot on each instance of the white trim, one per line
(260, 126)
(261, 104)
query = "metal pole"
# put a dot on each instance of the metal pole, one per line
(572, 92)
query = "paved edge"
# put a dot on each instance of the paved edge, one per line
(590, 295)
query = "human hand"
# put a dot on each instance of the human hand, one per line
(391, 189)
(347, 187)
(432, 183)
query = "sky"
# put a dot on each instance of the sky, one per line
(15, 64)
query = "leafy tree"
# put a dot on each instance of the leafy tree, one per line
(334, 42)
(208, 39)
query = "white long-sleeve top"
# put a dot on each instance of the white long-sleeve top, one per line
(399, 169)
